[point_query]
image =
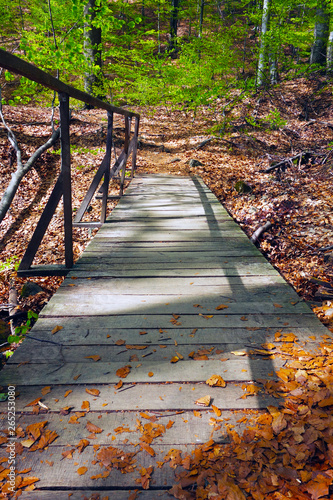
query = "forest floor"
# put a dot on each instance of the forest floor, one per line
(255, 132)
(288, 452)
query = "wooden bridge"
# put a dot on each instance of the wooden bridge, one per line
(168, 293)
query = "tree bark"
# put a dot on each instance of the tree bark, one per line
(321, 33)
(92, 49)
(329, 57)
(174, 24)
(261, 73)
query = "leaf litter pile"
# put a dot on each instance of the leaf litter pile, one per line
(285, 451)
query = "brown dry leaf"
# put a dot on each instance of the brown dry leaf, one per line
(34, 402)
(180, 356)
(137, 347)
(85, 405)
(93, 392)
(147, 448)
(175, 359)
(124, 371)
(221, 306)
(77, 376)
(56, 329)
(68, 453)
(95, 357)
(239, 353)
(169, 424)
(277, 305)
(197, 413)
(204, 401)
(150, 374)
(119, 385)
(93, 428)
(143, 333)
(67, 393)
(82, 444)
(216, 381)
(82, 470)
(46, 390)
(217, 411)
(120, 342)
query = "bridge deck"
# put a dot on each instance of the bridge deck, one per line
(169, 274)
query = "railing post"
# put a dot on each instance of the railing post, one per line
(66, 176)
(126, 145)
(107, 167)
(135, 146)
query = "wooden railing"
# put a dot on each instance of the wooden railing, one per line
(62, 187)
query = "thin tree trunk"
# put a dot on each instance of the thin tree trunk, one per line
(91, 45)
(321, 34)
(202, 6)
(174, 24)
(329, 57)
(261, 73)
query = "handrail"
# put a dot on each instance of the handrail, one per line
(23, 68)
(62, 188)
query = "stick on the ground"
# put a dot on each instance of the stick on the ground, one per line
(258, 232)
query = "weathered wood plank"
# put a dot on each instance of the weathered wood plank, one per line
(104, 372)
(88, 331)
(139, 397)
(33, 352)
(186, 428)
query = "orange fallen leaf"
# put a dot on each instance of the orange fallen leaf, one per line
(216, 410)
(82, 470)
(85, 405)
(124, 371)
(120, 342)
(95, 357)
(119, 385)
(221, 306)
(67, 393)
(56, 329)
(46, 390)
(197, 413)
(77, 376)
(150, 374)
(204, 401)
(82, 444)
(93, 392)
(216, 381)
(175, 359)
(147, 448)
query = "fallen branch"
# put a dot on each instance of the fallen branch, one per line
(258, 232)
(203, 143)
(286, 160)
(22, 168)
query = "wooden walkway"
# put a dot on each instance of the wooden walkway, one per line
(169, 274)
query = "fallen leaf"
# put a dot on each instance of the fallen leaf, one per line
(85, 405)
(119, 385)
(46, 390)
(82, 470)
(216, 381)
(93, 428)
(67, 393)
(120, 342)
(56, 329)
(95, 357)
(216, 410)
(204, 401)
(93, 392)
(124, 371)
(221, 306)
(150, 374)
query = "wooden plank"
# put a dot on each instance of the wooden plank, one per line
(153, 304)
(108, 305)
(104, 372)
(140, 397)
(186, 428)
(86, 493)
(89, 331)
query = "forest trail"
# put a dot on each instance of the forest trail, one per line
(168, 293)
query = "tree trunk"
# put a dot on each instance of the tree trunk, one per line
(92, 49)
(329, 57)
(174, 24)
(261, 73)
(202, 6)
(321, 33)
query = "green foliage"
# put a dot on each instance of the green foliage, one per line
(22, 330)
(10, 264)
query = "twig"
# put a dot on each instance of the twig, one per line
(258, 232)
